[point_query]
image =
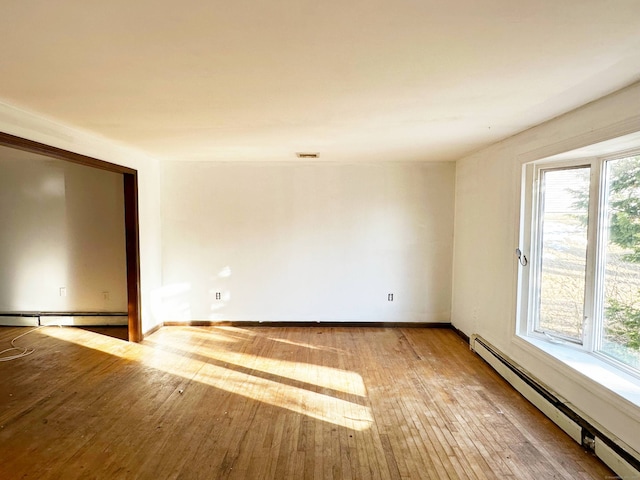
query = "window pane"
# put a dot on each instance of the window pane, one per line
(564, 215)
(621, 333)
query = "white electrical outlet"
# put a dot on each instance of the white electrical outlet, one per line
(63, 291)
(106, 296)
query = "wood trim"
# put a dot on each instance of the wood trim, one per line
(153, 330)
(209, 323)
(60, 154)
(460, 333)
(131, 215)
(133, 255)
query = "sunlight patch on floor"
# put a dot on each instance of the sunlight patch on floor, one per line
(299, 395)
(321, 376)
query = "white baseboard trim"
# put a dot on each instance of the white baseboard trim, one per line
(83, 319)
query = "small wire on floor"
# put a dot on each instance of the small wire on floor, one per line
(24, 351)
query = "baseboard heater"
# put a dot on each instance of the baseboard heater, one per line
(621, 458)
(80, 319)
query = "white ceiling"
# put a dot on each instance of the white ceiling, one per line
(353, 80)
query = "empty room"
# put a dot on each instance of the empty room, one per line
(320, 240)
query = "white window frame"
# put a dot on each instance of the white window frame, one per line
(530, 232)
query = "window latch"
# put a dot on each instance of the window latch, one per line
(522, 258)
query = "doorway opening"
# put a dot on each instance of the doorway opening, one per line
(131, 224)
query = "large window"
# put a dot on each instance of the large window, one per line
(581, 281)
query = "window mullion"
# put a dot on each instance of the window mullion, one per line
(593, 283)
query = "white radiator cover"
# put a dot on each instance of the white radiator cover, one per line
(18, 321)
(85, 320)
(80, 320)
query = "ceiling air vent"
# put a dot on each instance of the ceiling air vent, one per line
(307, 155)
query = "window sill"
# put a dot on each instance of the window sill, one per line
(577, 365)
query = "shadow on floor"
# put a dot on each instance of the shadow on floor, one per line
(119, 332)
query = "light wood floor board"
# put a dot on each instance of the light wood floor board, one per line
(270, 403)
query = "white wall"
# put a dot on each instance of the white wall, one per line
(33, 127)
(62, 227)
(307, 242)
(486, 236)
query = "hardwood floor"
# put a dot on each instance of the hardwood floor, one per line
(270, 403)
